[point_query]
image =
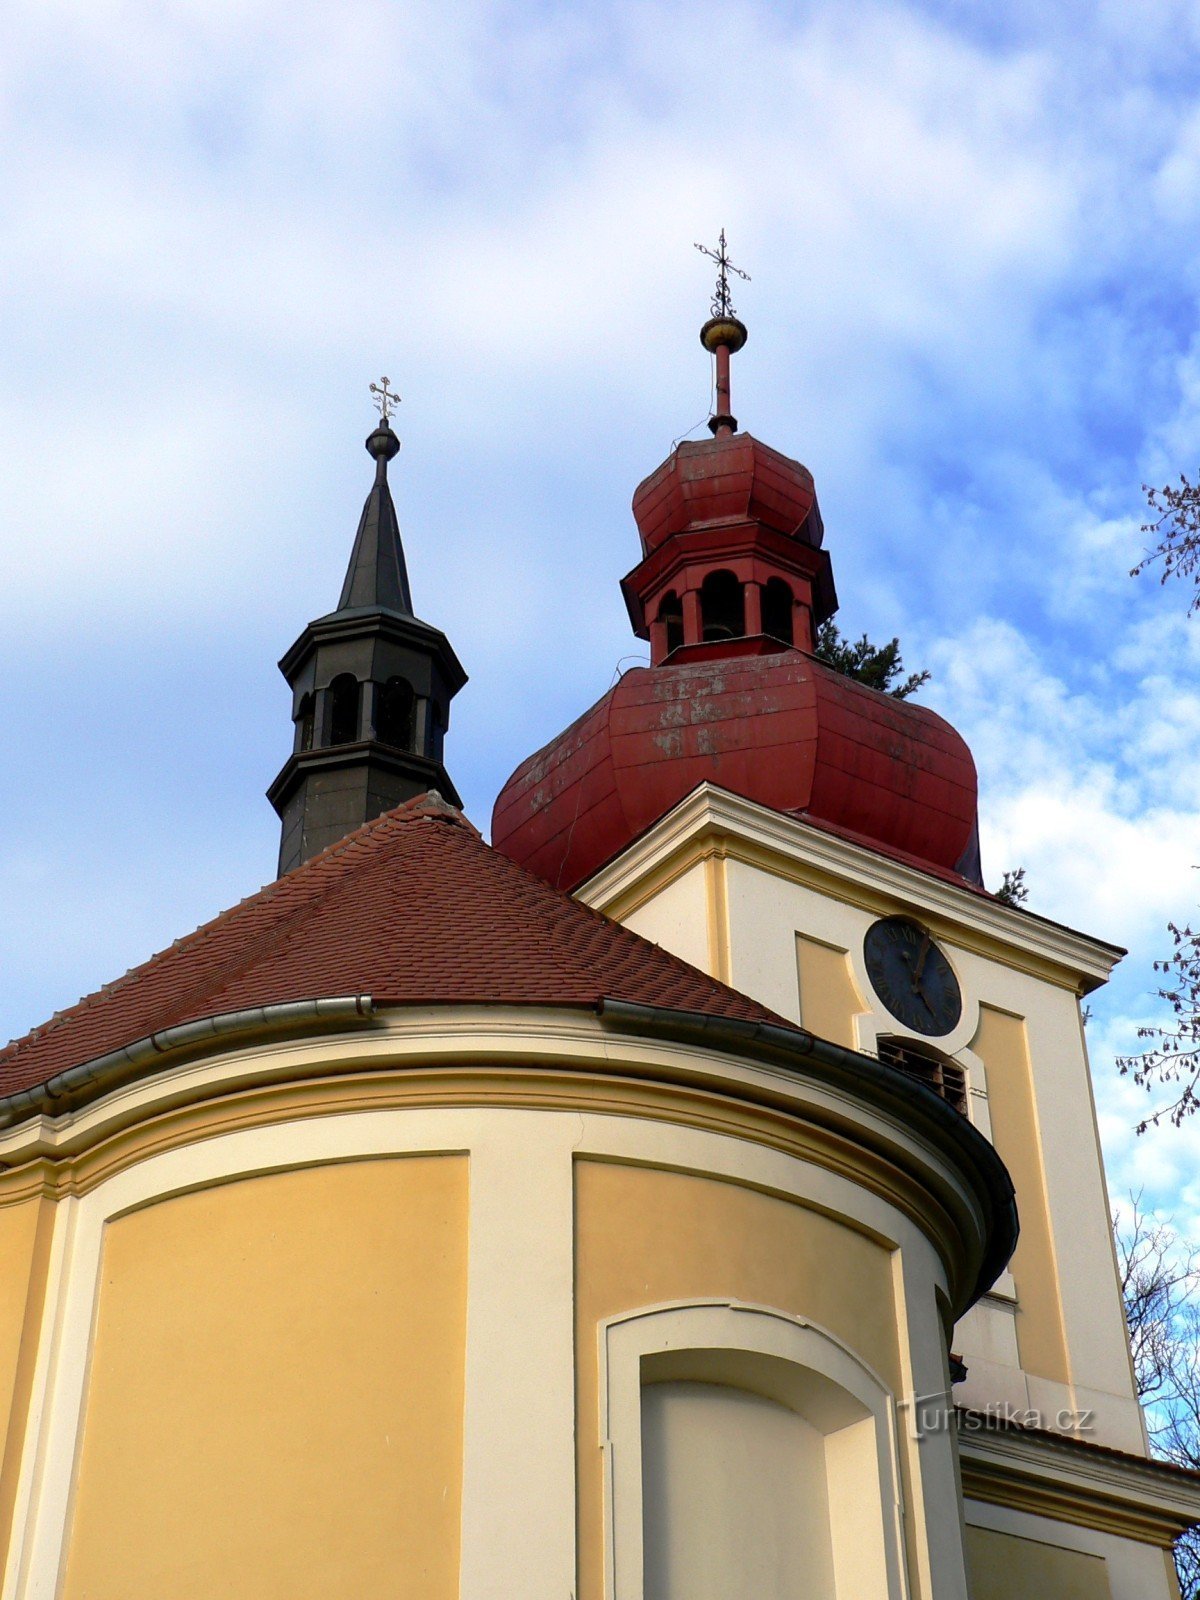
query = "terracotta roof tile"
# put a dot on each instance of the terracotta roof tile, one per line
(414, 908)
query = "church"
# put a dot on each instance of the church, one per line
(693, 1194)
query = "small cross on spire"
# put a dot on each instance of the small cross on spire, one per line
(722, 304)
(385, 400)
(722, 335)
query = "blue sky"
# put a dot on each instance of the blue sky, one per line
(972, 232)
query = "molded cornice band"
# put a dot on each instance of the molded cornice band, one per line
(866, 1079)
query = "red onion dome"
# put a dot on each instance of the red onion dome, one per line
(732, 478)
(780, 728)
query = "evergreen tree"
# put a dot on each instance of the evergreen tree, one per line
(878, 666)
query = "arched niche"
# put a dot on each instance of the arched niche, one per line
(306, 722)
(395, 705)
(670, 614)
(749, 1452)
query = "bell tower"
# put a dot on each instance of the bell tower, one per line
(730, 529)
(371, 687)
(732, 586)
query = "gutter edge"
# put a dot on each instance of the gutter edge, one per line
(343, 1010)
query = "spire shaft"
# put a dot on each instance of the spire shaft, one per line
(723, 415)
(722, 335)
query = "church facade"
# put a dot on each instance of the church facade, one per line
(695, 1192)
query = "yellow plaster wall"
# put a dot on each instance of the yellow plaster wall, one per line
(1002, 1566)
(1041, 1340)
(25, 1234)
(276, 1391)
(829, 1000)
(645, 1236)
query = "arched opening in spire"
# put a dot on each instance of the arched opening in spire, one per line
(777, 610)
(722, 607)
(942, 1074)
(306, 722)
(670, 612)
(394, 706)
(343, 709)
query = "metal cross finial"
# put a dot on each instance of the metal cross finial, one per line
(385, 399)
(722, 305)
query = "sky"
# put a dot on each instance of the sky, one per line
(972, 236)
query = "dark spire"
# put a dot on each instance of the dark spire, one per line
(371, 688)
(377, 575)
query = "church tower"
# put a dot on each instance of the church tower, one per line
(813, 843)
(371, 688)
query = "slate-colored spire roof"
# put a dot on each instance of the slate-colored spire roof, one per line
(377, 577)
(411, 909)
(371, 690)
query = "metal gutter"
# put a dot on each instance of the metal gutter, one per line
(778, 1044)
(863, 1076)
(129, 1059)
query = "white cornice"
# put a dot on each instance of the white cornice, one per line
(1071, 1480)
(925, 1168)
(800, 851)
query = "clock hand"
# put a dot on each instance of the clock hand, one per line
(920, 967)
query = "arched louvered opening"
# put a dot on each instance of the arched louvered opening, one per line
(928, 1066)
(306, 722)
(394, 706)
(670, 612)
(343, 709)
(722, 607)
(777, 610)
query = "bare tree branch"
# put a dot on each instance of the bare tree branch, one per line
(1160, 1277)
(1173, 1055)
(1175, 522)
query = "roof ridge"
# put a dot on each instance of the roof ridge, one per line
(561, 739)
(422, 807)
(276, 935)
(629, 939)
(411, 915)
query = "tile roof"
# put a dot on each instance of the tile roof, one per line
(412, 909)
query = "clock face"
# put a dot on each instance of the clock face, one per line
(912, 977)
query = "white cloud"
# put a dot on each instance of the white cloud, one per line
(1097, 794)
(971, 314)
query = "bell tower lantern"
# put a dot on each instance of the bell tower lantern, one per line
(730, 529)
(371, 687)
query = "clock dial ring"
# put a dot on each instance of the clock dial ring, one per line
(912, 977)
